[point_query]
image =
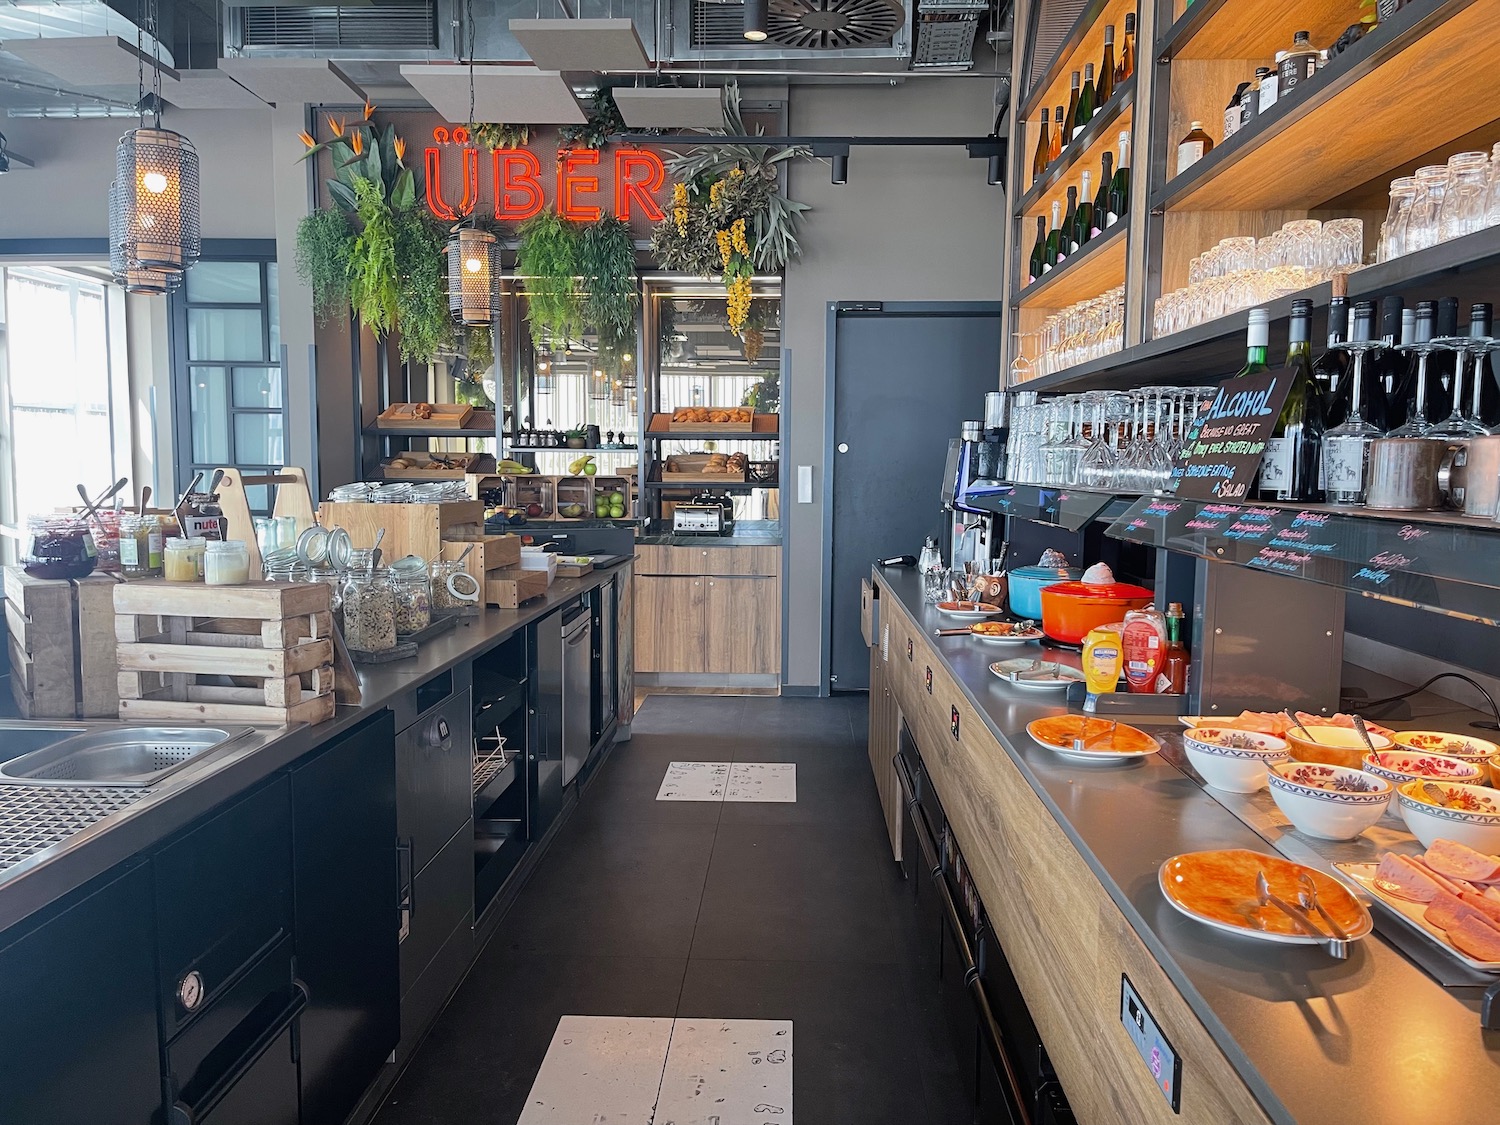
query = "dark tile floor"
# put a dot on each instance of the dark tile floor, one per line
(736, 911)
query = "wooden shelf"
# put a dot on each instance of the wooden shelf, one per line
(767, 427)
(1252, 29)
(721, 486)
(1100, 265)
(1083, 44)
(1097, 137)
(1467, 268)
(1404, 89)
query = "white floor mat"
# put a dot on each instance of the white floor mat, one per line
(721, 781)
(622, 1070)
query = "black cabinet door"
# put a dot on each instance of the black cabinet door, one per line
(347, 917)
(79, 1001)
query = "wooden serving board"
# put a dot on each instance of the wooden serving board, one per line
(445, 416)
(573, 569)
(510, 587)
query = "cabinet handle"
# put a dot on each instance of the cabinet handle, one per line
(191, 1113)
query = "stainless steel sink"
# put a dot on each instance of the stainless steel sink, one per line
(123, 756)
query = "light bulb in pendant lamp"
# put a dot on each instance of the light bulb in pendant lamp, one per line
(474, 276)
(156, 231)
(755, 20)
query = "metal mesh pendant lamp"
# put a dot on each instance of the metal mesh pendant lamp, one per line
(154, 283)
(473, 275)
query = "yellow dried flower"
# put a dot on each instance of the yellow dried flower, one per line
(726, 247)
(737, 236)
(716, 193)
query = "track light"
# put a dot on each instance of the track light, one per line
(841, 168)
(996, 176)
(755, 20)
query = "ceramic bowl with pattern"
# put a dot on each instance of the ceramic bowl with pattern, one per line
(1400, 766)
(1233, 760)
(1470, 815)
(1334, 746)
(1329, 802)
(1460, 746)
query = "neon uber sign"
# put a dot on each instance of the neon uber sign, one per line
(517, 176)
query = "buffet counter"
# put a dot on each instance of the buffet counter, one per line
(1065, 858)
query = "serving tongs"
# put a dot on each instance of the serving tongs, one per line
(1336, 945)
(1081, 742)
(1039, 670)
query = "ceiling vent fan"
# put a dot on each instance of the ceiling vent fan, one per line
(832, 25)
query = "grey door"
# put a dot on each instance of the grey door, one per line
(904, 379)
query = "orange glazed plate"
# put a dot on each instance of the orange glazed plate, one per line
(1103, 740)
(1218, 888)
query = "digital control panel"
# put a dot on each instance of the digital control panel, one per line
(1159, 1056)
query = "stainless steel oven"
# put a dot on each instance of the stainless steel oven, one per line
(577, 688)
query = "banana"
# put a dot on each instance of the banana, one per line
(511, 468)
(576, 466)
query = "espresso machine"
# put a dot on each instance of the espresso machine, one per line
(973, 465)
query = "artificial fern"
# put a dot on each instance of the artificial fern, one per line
(374, 282)
(548, 262)
(325, 253)
(606, 263)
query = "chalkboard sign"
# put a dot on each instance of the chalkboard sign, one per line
(1226, 442)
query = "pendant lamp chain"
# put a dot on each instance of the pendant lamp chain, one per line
(155, 231)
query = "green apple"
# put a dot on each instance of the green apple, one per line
(590, 469)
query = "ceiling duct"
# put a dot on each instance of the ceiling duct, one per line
(803, 36)
(400, 27)
(945, 33)
(833, 25)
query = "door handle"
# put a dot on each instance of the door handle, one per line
(193, 1113)
(406, 885)
(994, 1039)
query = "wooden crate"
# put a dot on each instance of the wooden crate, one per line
(446, 416)
(674, 425)
(410, 529)
(616, 483)
(575, 490)
(490, 553)
(61, 646)
(690, 471)
(533, 489)
(438, 466)
(510, 587)
(263, 653)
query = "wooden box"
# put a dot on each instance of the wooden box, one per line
(688, 469)
(696, 420)
(622, 484)
(575, 490)
(533, 489)
(444, 416)
(510, 587)
(262, 653)
(61, 646)
(425, 465)
(410, 529)
(490, 552)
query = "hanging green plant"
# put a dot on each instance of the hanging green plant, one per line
(547, 262)
(422, 314)
(491, 136)
(606, 264)
(479, 348)
(604, 121)
(374, 283)
(325, 255)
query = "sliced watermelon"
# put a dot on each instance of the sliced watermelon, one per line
(1478, 940)
(1459, 862)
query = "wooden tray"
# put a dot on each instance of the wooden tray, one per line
(437, 627)
(510, 587)
(424, 468)
(568, 569)
(445, 416)
(673, 426)
(692, 473)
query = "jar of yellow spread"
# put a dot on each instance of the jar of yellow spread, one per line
(1103, 656)
(182, 560)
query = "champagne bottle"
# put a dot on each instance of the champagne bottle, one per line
(1083, 220)
(1101, 198)
(1042, 158)
(1071, 216)
(1105, 87)
(1333, 365)
(1119, 187)
(1055, 253)
(1126, 65)
(1289, 470)
(1066, 129)
(1057, 135)
(1038, 264)
(1083, 113)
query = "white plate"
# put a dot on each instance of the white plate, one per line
(1410, 913)
(970, 614)
(1008, 638)
(1066, 675)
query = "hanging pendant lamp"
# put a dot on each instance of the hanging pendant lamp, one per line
(151, 282)
(473, 273)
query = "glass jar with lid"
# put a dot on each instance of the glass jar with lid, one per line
(1465, 198)
(453, 587)
(1393, 231)
(182, 559)
(369, 611)
(140, 546)
(226, 563)
(106, 533)
(58, 546)
(1422, 223)
(413, 594)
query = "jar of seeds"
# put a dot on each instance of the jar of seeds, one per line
(369, 611)
(453, 587)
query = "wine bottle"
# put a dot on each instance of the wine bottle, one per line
(1257, 341)
(1346, 447)
(1042, 158)
(1443, 365)
(1193, 147)
(1101, 197)
(1083, 220)
(1233, 110)
(1069, 217)
(1332, 366)
(1401, 392)
(1055, 253)
(1057, 135)
(1485, 400)
(1038, 264)
(1389, 367)
(1119, 187)
(1105, 87)
(1289, 470)
(1073, 93)
(1126, 65)
(1083, 112)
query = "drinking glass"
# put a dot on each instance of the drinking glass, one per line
(1393, 232)
(1343, 245)
(1492, 211)
(1423, 219)
(1465, 196)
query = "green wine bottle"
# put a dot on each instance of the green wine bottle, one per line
(1119, 187)
(1083, 219)
(1038, 264)
(1055, 253)
(1101, 200)
(1087, 102)
(1065, 238)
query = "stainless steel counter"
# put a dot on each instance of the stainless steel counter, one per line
(1372, 1039)
(102, 842)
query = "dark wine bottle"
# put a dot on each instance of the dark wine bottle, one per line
(1333, 365)
(1055, 252)
(1402, 391)
(1067, 224)
(1486, 394)
(1038, 264)
(1390, 365)
(1101, 197)
(1105, 87)
(1083, 112)
(1119, 187)
(1083, 218)
(1066, 129)
(1444, 362)
(1289, 470)
(1042, 158)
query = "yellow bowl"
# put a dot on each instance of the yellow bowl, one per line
(1333, 746)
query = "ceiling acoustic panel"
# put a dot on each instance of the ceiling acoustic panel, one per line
(501, 93)
(210, 89)
(88, 60)
(671, 109)
(599, 46)
(292, 81)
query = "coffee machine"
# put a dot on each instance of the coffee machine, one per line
(972, 466)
